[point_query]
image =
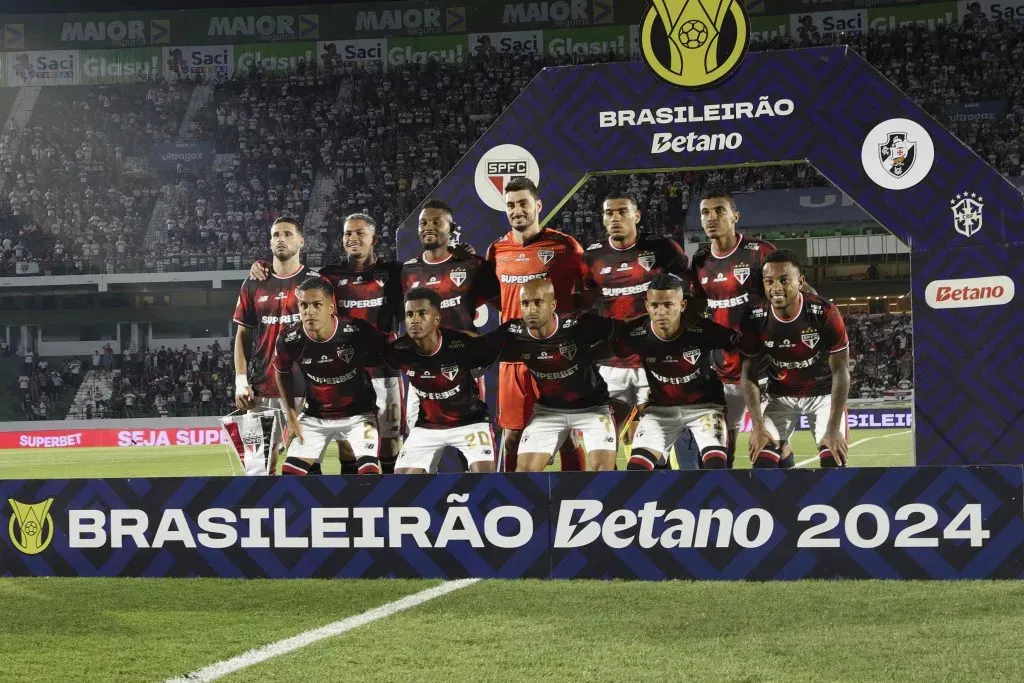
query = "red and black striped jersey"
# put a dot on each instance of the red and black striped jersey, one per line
(448, 391)
(563, 364)
(463, 285)
(621, 277)
(337, 383)
(373, 294)
(799, 348)
(731, 283)
(679, 370)
(267, 307)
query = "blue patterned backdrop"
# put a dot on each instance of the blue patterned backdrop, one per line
(894, 523)
(966, 409)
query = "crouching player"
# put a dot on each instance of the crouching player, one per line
(332, 355)
(560, 351)
(686, 392)
(439, 364)
(804, 338)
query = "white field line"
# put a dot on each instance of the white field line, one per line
(808, 461)
(282, 647)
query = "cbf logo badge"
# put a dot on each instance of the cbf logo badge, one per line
(897, 154)
(967, 213)
(31, 526)
(694, 43)
(499, 166)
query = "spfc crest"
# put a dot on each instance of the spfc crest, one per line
(741, 273)
(967, 213)
(897, 154)
(458, 276)
(346, 353)
(381, 277)
(810, 337)
(545, 255)
(450, 371)
(568, 350)
(646, 261)
(692, 356)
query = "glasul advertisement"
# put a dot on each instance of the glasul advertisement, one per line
(52, 67)
(588, 41)
(274, 57)
(120, 66)
(207, 62)
(447, 49)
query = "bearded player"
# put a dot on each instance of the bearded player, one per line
(619, 271)
(686, 392)
(559, 350)
(529, 252)
(439, 363)
(368, 289)
(263, 310)
(804, 339)
(332, 355)
(463, 281)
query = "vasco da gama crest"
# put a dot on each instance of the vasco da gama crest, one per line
(897, 154)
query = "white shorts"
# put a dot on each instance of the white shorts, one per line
(593, 429)
(359, 431)
(782, 413)
(389, 406)
(423, 449)
(660, 426)
(735, 406)
(628, 385)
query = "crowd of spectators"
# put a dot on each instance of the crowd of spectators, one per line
(42, 386)
(881, 355)
(183, 382)
(75, 193)
(384, 145)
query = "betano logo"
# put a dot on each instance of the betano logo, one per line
(31, 526)
(969, 292)
(694, 43)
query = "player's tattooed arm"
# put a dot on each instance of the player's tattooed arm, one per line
(835, 433)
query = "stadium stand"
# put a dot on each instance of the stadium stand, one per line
(79, 194)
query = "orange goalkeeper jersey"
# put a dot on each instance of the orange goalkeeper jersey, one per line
(550, 254)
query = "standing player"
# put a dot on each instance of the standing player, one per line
(804, 338)
(727, 274)
(685, 390)
(263, 310)
(618, 272)
(528, 252)
(370, 290)
(559, 351)
(439, 363)
(462, 281)
(332, 355)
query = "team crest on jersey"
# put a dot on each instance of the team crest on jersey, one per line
(450, 371)
(458, 276)
(741, 273)
(545, 255)
(810, 337)
(345, 353)
(380, 277)
(692, 356)
(646, 261)
(568, 350)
